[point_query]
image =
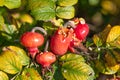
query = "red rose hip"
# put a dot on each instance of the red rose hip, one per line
(45, 59)
(31, 40)
(60, 41)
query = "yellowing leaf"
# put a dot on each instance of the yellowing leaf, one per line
(3, 76)
(97, 40)
(1, 20)
(21, 54)
(11, 4)
(75, 68)
(113, 34)
(66, 2)
(108, 65)
(26, 18)
(72, 57)
(9, 62)
(103, 35)
(77, 71)
(116, 55)
(116, 42)
(29, 74)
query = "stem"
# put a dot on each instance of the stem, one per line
(46, 46)
(70, 24)
(40, 29)
(16, 76)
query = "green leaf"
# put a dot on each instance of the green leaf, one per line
(65, 12)
(3, 76)
(75, 68)
(10, 29)
(9, 62)
(24, 59)
(11, 4)
(77, 71)
(45, 13)
(34, 4)
(1, 21)
(72, 57)
(67, 2)
(29, 74)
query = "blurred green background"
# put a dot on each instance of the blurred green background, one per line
(99, 13)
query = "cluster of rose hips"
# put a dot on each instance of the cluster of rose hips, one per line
(64, 39)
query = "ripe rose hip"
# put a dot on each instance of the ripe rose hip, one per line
(31, 40)
(60, 41)
(81, 30)
(45, 59)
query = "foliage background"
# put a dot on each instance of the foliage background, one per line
(97, 13)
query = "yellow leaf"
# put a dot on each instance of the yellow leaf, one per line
(26, 18)
(3, 76)
(113, 34)
(9, 62)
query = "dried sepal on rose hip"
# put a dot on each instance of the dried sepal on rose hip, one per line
(32, 40)
(45, 59)
(60, 40)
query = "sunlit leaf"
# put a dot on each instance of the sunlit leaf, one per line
(45, 13)
(21, 54)
(77, 71)
(75, 68)
(72, 57)
(113, 34)
(29, 74)
(34, 4)
(116, 42)
(9, 62)
(26, 18)
(66, 2)
(65, 12)
(3, 76)
(11, 4)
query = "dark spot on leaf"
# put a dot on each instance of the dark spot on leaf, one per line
(27, 74)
